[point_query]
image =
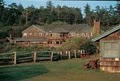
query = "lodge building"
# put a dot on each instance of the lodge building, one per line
(55, 35)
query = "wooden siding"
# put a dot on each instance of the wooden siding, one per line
(110, 64)
(33, 32)
(110, 61)
(56, 39)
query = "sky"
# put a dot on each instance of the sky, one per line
(69, 3)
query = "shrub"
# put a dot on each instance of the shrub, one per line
(89, 47)
(72, 44)
(79, 43)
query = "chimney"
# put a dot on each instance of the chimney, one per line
(96, 27)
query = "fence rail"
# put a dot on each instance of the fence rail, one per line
(14, 58)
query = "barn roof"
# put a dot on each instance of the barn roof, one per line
(116, 28)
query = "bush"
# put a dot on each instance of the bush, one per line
(72, 44)
(89, 47)
(78, 43)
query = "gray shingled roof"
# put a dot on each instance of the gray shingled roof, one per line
(59, 30)
(68, 28)
(117, 28)
(65, 28)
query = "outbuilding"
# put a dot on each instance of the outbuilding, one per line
(109, 50)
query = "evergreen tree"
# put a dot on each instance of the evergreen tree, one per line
(87, 12)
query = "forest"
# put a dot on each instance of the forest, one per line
(15, 18)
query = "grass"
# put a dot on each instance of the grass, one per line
(64, 70)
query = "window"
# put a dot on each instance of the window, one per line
(24, 34)
(61, 35)
(40, 34)
(34, 34)
(30, 33)
(57, 42)
(111, 49)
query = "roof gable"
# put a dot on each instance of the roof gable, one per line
(33, 26)
(106, 33)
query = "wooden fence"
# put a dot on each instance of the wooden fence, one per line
(14, 58)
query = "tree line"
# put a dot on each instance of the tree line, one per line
(15, 17)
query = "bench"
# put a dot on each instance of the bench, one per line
(93, 64)
(87, 65)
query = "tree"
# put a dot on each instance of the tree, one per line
(1, 12)
(29, 12)
(89, 47)
(118, 7)
(118, 11)
(78, 16)
(87, 12)
(14, 14)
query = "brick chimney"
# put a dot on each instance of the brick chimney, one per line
(96, 27)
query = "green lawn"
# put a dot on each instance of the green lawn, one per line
(64, 70)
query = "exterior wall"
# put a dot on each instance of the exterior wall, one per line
(56, 39)
(33, 33)
(85, 34)
(110, 63)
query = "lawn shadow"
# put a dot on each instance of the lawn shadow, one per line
(21, 72)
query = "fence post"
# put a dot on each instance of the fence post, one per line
(34, 57)
(66, 52)
(75, 54)
(79, 51)
(14, 58)
(51, 56)
(69, 55)
(61, 54)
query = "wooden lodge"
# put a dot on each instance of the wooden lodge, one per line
(54, 35)
(51, 36)
(109, 50)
